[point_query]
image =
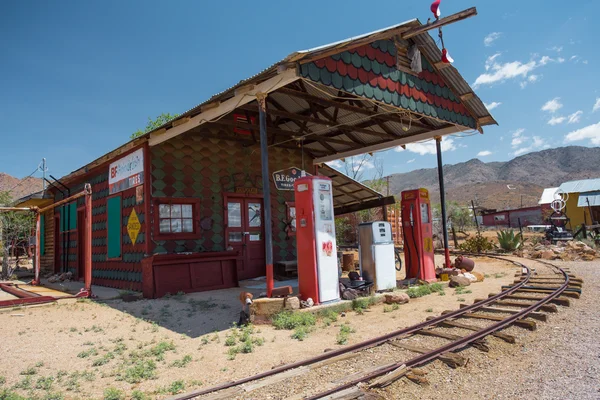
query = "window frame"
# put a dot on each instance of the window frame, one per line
(194, 202)
(288, 206)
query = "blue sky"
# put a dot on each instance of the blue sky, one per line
(78, 77)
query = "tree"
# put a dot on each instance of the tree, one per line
(15, 229)
(154, 123)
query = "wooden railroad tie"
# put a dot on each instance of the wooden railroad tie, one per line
(566, 293)
(451, 359)
(551, 308)
(533, 314)
(522, 323)
(455, 324)
(555, 284)
(561, 301)
(478, 344)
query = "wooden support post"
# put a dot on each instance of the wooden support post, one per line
(88, 241)
(266, 181)
(38, 242)
(440, 167)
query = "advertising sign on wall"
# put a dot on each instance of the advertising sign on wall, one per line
(284, 179)
(126, 172)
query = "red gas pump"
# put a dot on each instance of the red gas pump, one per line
(418, 236)
(315, 239)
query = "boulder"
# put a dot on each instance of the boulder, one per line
(396, 298)
(459, 281)
(478, 275)
(547, 255)
(292, 303)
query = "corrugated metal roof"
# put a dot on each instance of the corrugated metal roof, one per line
(347, 191)
(584, 185)
(593, 198)
(548, 196)
(425, 42)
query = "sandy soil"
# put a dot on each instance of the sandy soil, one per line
(56, 337)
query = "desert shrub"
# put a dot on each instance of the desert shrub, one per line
(476, 244)
(362, 303)
(291, 320)
(112, 393)
(418, 291)
(345, 331)
(436, 287)
(508, 240)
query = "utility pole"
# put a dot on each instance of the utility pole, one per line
(44, 169)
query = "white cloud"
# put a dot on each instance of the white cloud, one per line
(335, 164)
(428, 147)
(499, 72)
(518, 137)
(491, 38)
(545, 60)
(596, 105)
(557, 49)
(585, 62)
(556, 120)
(502, 72)
(574, 58)
(591, 132)
(412, 160)
(553, 105)
(533, 78)
(492, 105)
(537, 143)
(575, 117)
(489, 62)
(484, 153)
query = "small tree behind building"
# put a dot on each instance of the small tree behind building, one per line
(15, 229)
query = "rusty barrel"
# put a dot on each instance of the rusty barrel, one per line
(462, 262)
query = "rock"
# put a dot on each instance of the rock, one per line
(292, 303)
(547, 255)
(52, 279)
(459, 281)
(396, 298)
(478, 275)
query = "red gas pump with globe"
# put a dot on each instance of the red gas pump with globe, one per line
(315, 240)
(418, 235)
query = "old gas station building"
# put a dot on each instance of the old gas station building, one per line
(181, 208)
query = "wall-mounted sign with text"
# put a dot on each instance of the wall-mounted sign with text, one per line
(126, 172)
(284, 179)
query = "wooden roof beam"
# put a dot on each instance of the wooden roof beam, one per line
(450, 19)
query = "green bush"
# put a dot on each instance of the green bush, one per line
(418, 291)
(436, 287)
(291, 320)
(476, 244)
(345, 331)
(508, 240)
(300, 333)
(112, 393)
(362, 303)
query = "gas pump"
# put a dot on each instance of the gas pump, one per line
(315, 239)
(418, 235)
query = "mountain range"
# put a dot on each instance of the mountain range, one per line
(501, 185)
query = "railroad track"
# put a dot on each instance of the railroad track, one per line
(521, 304)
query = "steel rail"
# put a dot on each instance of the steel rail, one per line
(432, 355)
(362, 345)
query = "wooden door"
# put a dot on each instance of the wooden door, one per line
(245, 234)
(80, 243)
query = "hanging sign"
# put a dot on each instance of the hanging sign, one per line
(126, 172)
(133, 226)
(284, 179)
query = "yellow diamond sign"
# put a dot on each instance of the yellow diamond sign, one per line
(133, 226)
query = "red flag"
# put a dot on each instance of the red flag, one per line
(446, 56)
(435, 9)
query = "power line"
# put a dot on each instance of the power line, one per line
(23, 180)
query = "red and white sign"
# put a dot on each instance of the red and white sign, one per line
(126, 172)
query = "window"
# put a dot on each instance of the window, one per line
(291, 219)
(114, 227)
(68, 217)
(176, 218)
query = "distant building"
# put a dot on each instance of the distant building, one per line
(510, 218)
(579, 194)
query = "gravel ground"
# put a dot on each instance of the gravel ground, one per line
(561, 360)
